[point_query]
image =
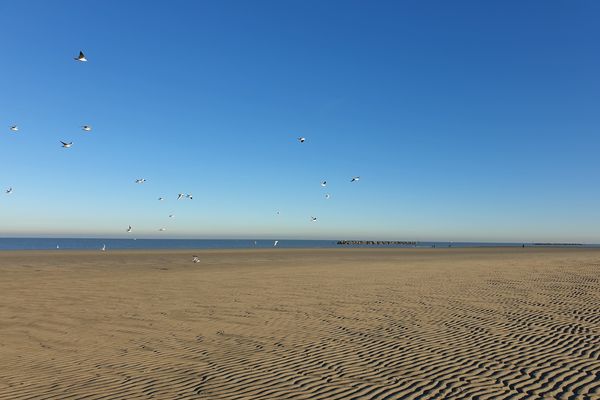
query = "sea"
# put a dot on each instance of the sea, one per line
(165, 244)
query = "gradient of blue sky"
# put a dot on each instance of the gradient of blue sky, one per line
(466, 120)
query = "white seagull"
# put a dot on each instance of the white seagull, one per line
(103, 247)
(81, 57)
(313, 219)
(355, 179)
(129, 229)
(141, 180)
(180, 196)
(327, 196)
(171, 215)
(66, 145)
(324, 183)
(161, 198)
(189, 196)
(86, 128)
(302, 139)
(9, 190)
(162, 229)
(196, 260)
(275, 244)
(14, 128)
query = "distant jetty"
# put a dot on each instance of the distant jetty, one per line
(375, 243)
(557, 244)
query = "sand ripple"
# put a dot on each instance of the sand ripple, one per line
(347, 324)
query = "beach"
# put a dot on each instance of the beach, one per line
(469, 323)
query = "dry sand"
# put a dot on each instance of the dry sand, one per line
(301, 324)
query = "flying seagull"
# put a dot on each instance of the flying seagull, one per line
(324, 183)
(301, 139)
(141, 180)
(66, 145)
(196, 260)
(161, 198)
(313, 219)
(81, 57)
(86, 128)
(275, 244)
(355, 179)
(14, 128)
(189, 196)
(171, 215)
(129, 229)
(9, 190)
(327, 196)
(180, 196)
(162, 229)
(103, 247)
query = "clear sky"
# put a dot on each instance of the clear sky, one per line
(466, 120)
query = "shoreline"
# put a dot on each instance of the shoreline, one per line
(308, 250)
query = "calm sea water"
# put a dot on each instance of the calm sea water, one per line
(93, 244)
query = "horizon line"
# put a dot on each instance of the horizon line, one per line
(546, 242)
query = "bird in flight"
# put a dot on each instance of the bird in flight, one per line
(275, 244)
(86, 128)
(14, 128)
(103, 247)
(9, 190)
(180, 196)
(302, 139)
(129, 229)
(313, 219)
(327, 196)
(324, 183)
(161, 198)
(162, 229)
(189, 196)
(81, 57)
(140, 180)
(355, 179)
(66, 145)
(196, 260)
(171, 215)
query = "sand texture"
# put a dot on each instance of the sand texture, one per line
(301, 324)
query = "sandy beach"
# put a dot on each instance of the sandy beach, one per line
(301, 324)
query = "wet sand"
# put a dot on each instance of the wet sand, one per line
(301, 324)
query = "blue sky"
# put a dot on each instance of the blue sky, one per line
(466, 120)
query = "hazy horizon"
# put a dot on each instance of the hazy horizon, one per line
(283, 237)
